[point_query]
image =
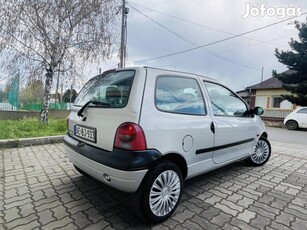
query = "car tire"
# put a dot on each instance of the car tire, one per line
(291, 125)
(159, 194)
(262, 153)
(80, 171)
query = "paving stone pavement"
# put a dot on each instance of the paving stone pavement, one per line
(40, 189)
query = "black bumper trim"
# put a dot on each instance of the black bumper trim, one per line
(118, 158)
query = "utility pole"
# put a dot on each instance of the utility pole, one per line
(125, 11)
(262, 74)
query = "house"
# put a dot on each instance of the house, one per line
(267, 94)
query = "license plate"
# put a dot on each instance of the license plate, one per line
(85, 133)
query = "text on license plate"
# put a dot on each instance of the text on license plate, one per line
(85, 133)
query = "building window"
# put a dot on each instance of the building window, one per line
(276, 102)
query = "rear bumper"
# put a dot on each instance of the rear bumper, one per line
(126, 169)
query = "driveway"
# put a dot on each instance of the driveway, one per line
(39, 189)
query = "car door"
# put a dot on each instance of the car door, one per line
(234, 127)
(301, 117)
(175, 119)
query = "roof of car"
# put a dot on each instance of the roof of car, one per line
(170, 71)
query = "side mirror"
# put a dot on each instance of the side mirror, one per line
(258, 111)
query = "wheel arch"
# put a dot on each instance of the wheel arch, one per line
(291, 120)
(264, 134)
(178, 160)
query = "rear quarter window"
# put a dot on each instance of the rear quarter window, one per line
(181, 95)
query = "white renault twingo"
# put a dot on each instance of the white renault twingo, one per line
(145, 130)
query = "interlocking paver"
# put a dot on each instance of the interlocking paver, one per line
(232, 205)
(277, 226)
(40, 189)
(285, 219)
(32, 225)
(299, 224)
(26, 209)
(226, 209)
(191, 225)
(228, 226)
(246, 215)
(58, 223)
(221, 219)
(235, 197)
(261, 211)
(59, 212)
(210, 213)
(192, 207)
(11, 214)
(242, 225)
(17, 203)
(45, 217)
(81, 220)
(170, 223)
(180, 217)
(245, 202)
(21, 221)
(260, 221)
(204, 223)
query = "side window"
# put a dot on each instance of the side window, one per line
(224, 102)
(302, 111)
(175, 94)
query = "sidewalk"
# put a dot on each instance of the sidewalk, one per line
(40, 189)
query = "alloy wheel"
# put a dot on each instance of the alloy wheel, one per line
(262, 152)
(164, 193)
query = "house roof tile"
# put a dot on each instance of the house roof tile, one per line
(271, 83)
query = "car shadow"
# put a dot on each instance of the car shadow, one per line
(115, 207)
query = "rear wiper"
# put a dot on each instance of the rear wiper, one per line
(80, 112)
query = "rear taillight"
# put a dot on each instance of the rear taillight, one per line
(130, 136)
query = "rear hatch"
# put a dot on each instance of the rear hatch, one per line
(104, 103)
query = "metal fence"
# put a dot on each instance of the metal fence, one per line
(10, 99)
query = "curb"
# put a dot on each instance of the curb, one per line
(11, 143)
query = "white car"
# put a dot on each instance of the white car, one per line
(145, 130)
(296, 119)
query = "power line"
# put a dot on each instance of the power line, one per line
(220, 41)
(191, 22)
(164, 27)
(230, 50)
(191, 43)
(177, 18)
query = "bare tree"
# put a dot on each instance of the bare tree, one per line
(48, 32)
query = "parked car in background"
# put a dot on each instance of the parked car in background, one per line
(296, 119)
(145, 130)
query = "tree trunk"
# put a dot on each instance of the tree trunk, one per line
(47, 95)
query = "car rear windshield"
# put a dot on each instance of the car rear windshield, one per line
(111, 89)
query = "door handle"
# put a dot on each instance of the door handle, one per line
(212, 127)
